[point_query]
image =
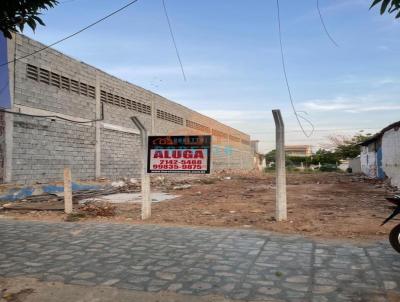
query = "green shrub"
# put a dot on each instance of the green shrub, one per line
(269, 169)
(328, 168)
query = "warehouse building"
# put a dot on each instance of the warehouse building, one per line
(49, 83)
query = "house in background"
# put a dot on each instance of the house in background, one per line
(298, 150)
(380, 155)
(259, 158)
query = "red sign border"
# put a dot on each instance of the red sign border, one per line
(171, 140)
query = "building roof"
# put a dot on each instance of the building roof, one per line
(377, 136)
(297, 147)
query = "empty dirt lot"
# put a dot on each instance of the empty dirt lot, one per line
(327, 205)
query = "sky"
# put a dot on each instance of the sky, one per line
(231, 56)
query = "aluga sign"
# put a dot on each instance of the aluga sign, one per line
(179, 154)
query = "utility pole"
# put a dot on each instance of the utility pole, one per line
(146, 200)
(281, 208)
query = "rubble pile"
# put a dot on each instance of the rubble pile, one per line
(98, 209)
(378, 183)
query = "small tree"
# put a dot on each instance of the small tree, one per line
(270, 156)
(16, 13)
(390, 6)
(348, 147)
(323, 156)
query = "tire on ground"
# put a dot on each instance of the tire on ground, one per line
(394, 238)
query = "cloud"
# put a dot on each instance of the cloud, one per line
(387, 81)
(350, 105)
(374, 81)
(375, 108)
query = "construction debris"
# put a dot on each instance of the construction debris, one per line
(328, 205)
(98, 209)
(118, 184)
(54, 202)
(182, 187)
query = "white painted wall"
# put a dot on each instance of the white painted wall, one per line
(368, 162)
(355, 165)
(391, 155)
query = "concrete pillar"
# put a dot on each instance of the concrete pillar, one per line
(281, 208)
(67, 191)
(9, 118)
(146, 198)
(153, 114)
(98, 127)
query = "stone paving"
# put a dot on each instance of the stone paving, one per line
(239, 264)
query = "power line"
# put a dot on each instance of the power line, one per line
(286, 77)
(309, 122)
(323, 25)
(73, 34)
(173, 40)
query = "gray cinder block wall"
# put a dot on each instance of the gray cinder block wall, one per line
(51, 83)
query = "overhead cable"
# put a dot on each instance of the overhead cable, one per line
(309, 122)
(173, 40)
(324, 26)
(73, 34)
(286, 78)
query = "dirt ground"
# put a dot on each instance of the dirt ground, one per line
(322, 205)
(20, 289)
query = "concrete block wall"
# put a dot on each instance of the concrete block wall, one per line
(41, 147)
(39, 95)
(119, 115)
(120, 154)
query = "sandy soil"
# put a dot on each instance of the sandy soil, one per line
(322, 205)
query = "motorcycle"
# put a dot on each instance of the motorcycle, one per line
(394, 236)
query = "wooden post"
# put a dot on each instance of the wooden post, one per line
(67, 191)
(146, 199)
(281, 208)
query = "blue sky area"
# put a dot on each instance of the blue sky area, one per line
(230, 52)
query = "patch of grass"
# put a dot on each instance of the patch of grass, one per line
(74, 217)
(278, 274)
(17, 297)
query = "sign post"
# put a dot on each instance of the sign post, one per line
(171, 154)
(146, 199)
(281, 208)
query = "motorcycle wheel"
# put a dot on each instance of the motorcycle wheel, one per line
(394, 238)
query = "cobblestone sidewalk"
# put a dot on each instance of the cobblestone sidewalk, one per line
(240, 264)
